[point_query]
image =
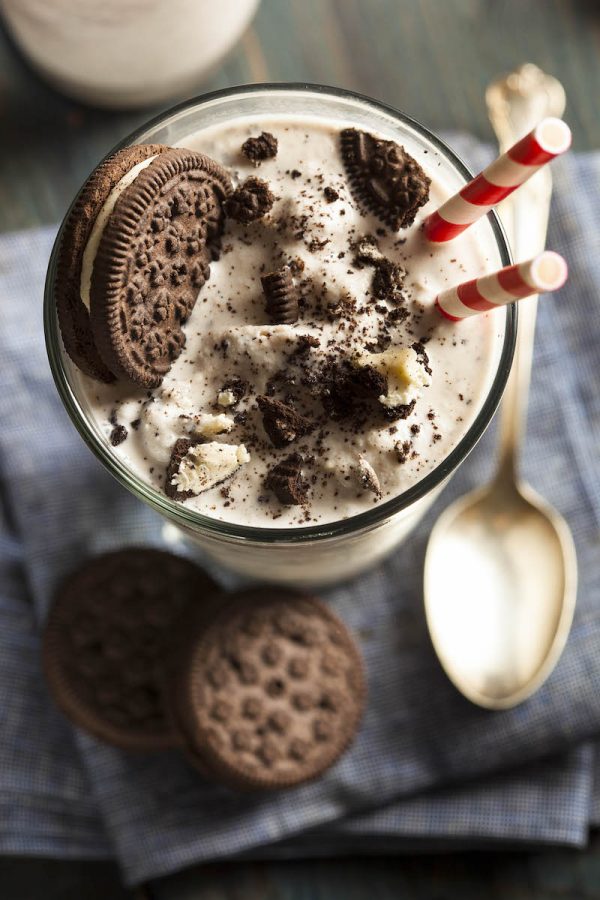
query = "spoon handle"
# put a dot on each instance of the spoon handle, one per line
(515, 104)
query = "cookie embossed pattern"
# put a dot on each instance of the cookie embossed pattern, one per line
(280, 375)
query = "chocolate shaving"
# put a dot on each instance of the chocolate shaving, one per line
(281, 296)
(286, 481)
(251, 201)
(281, 422)
(384, 178)
(257, 149)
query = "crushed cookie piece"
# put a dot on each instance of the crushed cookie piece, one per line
(296, 265)
(305, 343)
(258, 149)
(196, 466)
(232, 392)
(388, 280)
(281, 296)
(368, 477)
(118, 435)
(286, 481)
(422, 357)
(402, 450)
(251, 201)
(342, 307)
(384, 178)
(366, 251)
(315, 244)
(331, 195)
(281, 422)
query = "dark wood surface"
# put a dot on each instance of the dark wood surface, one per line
(433, 59)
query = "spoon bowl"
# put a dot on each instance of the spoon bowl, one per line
(500, 587)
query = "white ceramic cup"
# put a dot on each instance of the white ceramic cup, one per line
(125, 53)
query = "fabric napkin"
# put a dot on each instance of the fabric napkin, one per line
(410, 776)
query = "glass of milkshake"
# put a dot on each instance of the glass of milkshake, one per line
(320, 402)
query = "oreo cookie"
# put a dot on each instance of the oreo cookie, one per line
(135, 251)
(270, 692)
(282, 302)
(384, 178)
(107, 638)
(73, 313)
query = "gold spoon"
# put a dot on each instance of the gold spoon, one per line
(500, 569)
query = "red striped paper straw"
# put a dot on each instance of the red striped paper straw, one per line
(547, 140)
(546, 272)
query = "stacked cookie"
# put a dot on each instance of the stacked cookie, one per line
(135, 251)
(261, 689)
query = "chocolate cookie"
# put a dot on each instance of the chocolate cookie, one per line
(271, 690)
(286, 481)
(152, 260)
(282, 302)
(106, 642)
(384, 178)
(281, 422)
(73, 314)
(251, 201)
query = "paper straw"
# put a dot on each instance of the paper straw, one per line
(547, 140)
(545, 272)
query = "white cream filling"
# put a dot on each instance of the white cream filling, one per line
(93, 242)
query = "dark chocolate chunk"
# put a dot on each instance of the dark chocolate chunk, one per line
(384, 178)
(257, 149)
(251, 201)
(281, 421)
(281, 296)
(286, 481)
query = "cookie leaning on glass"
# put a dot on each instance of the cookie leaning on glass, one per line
(135, 251)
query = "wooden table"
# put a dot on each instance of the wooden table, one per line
(433, 59)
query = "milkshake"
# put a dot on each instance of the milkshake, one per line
(316, 387)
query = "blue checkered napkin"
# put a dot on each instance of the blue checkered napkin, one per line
(75, 796)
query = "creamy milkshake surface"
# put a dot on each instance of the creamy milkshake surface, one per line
(382, 388)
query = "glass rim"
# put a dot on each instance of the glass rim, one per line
(197, 521)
